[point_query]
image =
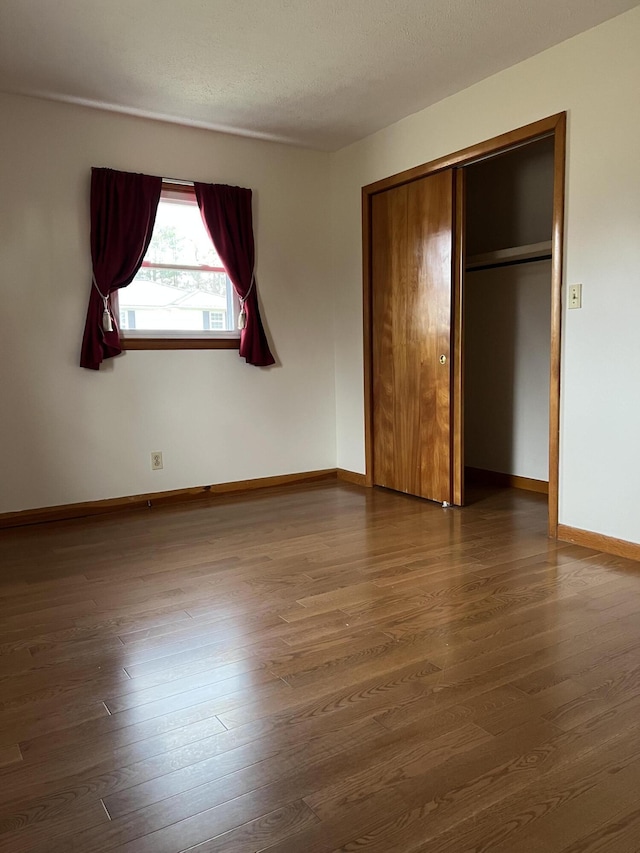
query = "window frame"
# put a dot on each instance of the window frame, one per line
(141, 339)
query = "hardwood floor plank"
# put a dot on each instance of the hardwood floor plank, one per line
(256, 834)
(620, 835)
(405, 763)
(316, 699)
(265, 762)
(586, 786)
(49, 725)
(76, 629)
(89, 766)
(203, 683)
(459, 791)
(22, 830)
(10, 754)
(317, 668)
(183, 779)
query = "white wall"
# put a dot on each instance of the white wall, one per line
(507, 351)
(68, 434)
(595, 78)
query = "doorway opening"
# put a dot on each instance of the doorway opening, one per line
(507, 318)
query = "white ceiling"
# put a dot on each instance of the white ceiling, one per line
(319, 73)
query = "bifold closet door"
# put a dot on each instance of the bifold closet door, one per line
(412, 238)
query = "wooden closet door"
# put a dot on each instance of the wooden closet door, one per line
(411, 263)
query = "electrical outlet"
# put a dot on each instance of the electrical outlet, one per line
(156, 461)
(575, 296)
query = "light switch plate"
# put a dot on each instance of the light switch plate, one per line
(575, 296)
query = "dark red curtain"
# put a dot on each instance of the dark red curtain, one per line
(123, 212)
(226, 213)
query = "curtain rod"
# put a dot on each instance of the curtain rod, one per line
(180, 181)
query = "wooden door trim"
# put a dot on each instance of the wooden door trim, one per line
(557, 265)
(457, 360)
(553, 125)
(367, 308)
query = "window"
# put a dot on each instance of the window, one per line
(127, 319)
(214, 320)
(181, 296)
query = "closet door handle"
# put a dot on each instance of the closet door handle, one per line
(443, 359)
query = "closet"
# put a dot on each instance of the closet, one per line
(507, 317)
(462, 266)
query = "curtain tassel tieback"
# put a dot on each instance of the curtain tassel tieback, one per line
(242, 316)
(107, 320)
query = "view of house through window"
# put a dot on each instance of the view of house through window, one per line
(181, 288)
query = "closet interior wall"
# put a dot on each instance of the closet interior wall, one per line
(507, 308)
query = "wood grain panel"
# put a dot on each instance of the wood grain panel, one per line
(430, 317)
(389, 281)
(411, 269)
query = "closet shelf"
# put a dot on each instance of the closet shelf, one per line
(516, 254)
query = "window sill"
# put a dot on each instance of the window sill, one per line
(130, 343)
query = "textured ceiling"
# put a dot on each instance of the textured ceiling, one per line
(320, 73)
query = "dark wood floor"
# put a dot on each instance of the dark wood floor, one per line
(316, 669)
